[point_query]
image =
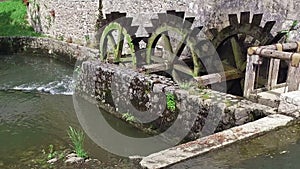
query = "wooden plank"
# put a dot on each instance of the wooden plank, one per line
(155, 67)
(269, 53)
(183, 68)
(268, 26)
(238, 54)
(293, 80)
(285, 46)
(214, 32)
(273, 73)
(256, 20)
(245, 17)
(157, 59)
(219, 77)
(249, 76)
(126, 59)
(233, 20)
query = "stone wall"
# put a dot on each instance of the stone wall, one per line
(122, 90)
(65, 19)
(76, 19)
(66, 52)
(201, 107)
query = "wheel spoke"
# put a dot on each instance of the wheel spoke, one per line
(176, 77)
(184, 69)
(238, 54)
(111, 40)
(120, 43)
(181, 46)
(168, 47)
(157, 59)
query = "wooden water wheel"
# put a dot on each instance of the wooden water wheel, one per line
(170, 37)
(117, 40)
(233, 41)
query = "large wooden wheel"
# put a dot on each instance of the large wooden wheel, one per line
(233, 41)
(168, 41)
(116, 40)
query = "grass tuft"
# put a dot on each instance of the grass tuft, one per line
(77, 138)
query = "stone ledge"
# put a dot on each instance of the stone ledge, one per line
(66, 52)
(200, 146)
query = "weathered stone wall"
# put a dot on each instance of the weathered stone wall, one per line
(143, 92)
(201, 106)
(66, 52)
(76, 19)
(211, 13)
(65, 19)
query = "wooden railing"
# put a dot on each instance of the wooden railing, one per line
(275, 53)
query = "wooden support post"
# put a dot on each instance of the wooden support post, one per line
(293, 80)
(274, 69)
(273, 73)
(250, 75)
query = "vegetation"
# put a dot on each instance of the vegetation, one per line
(185, 86)
(77, 138)
(51, 153)
(287, 32)
(171, 104)
(128, 117)
(13, 19)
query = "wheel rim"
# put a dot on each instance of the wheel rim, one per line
(107, 40)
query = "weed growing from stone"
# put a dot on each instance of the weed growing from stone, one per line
(128, 117)
(171, 104)
(185, 86)
(51, 153)
(206, 96)
(77, 138)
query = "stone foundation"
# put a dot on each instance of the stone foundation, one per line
(126, 91)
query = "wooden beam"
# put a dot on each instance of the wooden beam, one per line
(249, 76)
(219, 77)
(269, 53)
(285, 46)
(274, 69)
(155, 67)
(293, 80)
(273, 73)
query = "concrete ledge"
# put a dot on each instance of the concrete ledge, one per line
(203, 145)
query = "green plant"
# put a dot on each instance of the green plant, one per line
(185, 86)
(228, 103)
(61, 38)
(206, 95)
(51, 153)
(171, 104)
(77, 138)
(287, 32)
(128, 117)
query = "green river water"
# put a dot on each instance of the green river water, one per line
(36, 109)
